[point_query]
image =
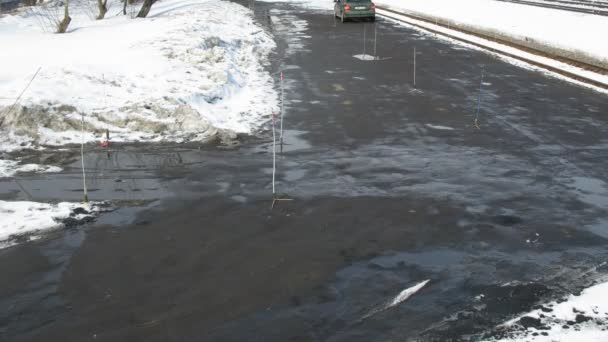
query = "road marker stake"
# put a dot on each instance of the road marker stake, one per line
(282, 109)
(275, 200)
(274, 155)
(274, 165)
(364, 38)
(375, 40)
(106, 143)
(414, 67)
(84, 175)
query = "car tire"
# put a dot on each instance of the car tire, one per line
(372, 19)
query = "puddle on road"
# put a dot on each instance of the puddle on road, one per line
(292, 29)
(464, 289)
(599, 228)
(127, 175)
(591, 191)
(41, 290)
(292, 141)
(293, 175)
(123, 216)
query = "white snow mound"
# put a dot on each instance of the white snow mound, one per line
(311, 4)
(18, 218)
(576, 32)
(188, 70)
(591, 305)
(9, 168)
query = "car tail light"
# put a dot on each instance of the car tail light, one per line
(347, 7)
(373, 6)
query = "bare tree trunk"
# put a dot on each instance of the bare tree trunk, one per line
(124, 7)
(103, 8)
(63, 25)
(145, 8)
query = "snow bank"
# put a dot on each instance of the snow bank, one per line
(188, 70)
(19, 218)
(9, 168)
(577, 32)
(578, 318)
(504, 49)
(312, 4)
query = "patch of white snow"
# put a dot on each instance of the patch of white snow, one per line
(583, 33)
(591, 308)
(9, 168)
(189, 69)
(439, 127)
(18, 218)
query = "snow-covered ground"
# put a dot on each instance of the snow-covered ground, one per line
(583, 5)
(192, 67)
(19, 218)
(578, 318)
(577, 32)
(502, 48)
(312, 4)
(9, 168)
(192, 70)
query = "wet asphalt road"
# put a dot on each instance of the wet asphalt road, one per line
(391, 184)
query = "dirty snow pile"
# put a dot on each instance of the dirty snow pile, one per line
(576, 32)
(192, 70)
(311, 4)
(20, 218)
(578, 318)
(9, 168)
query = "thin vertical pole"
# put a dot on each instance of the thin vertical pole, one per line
(375, 40)
(84, 175)
(282, 107)
(364, 38)
(414, 67)
(274, 155)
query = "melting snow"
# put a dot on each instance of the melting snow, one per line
(9, 168)
(400, 298)
(445, 128)
(365, 57)
(189, 69)
(582, 34)
(18, 218)
(585, 316)
(312, 4)
(407, 293)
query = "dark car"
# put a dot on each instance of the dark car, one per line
(347, 9)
